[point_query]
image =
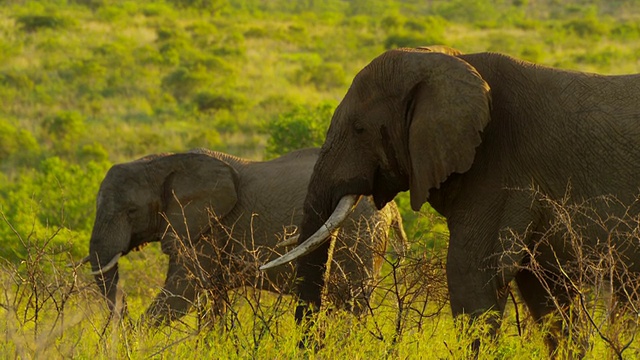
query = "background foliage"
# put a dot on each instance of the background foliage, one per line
(85, 84)
(95, 82)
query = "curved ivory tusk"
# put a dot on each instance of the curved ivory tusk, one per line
(344, 208)
(288, 242)
(107, 267)
(79, 263)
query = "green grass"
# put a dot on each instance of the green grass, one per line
(81, 331)
(49, 309)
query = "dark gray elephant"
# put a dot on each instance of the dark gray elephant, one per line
(490, 142)
(217, 216)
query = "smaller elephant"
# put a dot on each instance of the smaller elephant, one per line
(218, 216)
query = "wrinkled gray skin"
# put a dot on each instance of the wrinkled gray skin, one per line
(253, 203)
(472, 134)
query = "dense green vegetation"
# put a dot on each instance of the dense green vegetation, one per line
(85, 84)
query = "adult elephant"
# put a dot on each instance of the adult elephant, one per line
(217, 216)
(492, 143)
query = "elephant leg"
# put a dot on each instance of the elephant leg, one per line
(213, 314)
(478, 275)
(348, 288)
(543, 299)
(474, 290)
(176, 296)
(485, 254)
(211, 264)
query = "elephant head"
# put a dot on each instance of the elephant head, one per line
(147, 200)
(410, 119)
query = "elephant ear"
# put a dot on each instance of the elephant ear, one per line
(448, 106)
(197, 185)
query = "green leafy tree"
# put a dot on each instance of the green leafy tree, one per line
(16, 144)
(299, 128)
(65, 129)
(57, 196)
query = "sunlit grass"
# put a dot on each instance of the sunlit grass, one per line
(48, 309)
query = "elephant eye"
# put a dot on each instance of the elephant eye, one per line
(358, 128)
(132, 211)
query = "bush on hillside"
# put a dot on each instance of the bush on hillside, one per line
(302, 127)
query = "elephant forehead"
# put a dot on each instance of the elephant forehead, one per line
(100, 199)
(120, 184)
(375, 84)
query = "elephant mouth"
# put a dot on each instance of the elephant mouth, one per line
(386, 186)
(140, 241)
(136, 244)
(139, 247)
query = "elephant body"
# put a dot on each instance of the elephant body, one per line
(519, 158)
(217, 216)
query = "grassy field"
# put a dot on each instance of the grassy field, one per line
(86, 84)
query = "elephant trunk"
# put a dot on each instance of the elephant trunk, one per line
(108, 284)
(310, 268)
(104, 253)
(321, 201)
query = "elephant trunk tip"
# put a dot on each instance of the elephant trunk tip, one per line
(77, 264)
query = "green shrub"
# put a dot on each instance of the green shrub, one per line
(207, 138)
(232, 45)
(324, 76)
(173, 51)
(209, 100)
(501, 42)
(32, 23)
(15, 143)
(256, 33)
(586, 27)
(212, 6)
(533, 52)
(64, 129)
(275, 105)
(16, 79)
(410, 40)
(463, 11)
(429, 30)
(203, 34)
(415, 26)
(391, 22)
(587, 24)
(302, 127)
(88, 75)
(117, 11)
(93, 152)
(604, 57)
(57, 195)
(627, 30)
(157, 9)
(183, 82)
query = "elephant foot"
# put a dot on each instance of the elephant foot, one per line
(311, 336)
(311, 341)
